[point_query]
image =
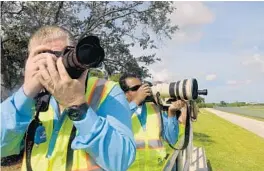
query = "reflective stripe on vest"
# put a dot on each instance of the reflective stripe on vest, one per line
(155, 144)
(91, 165)
(152, 144)
(152, 151)
(99, 91)
(81, 159)
(140, 144)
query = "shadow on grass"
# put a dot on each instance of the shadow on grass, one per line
(12, 160)
(209, 165)
(204, 138)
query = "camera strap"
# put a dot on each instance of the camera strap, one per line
(42, 105)
(186, 133)
(69, 159)
(35, 127)
(187, 128)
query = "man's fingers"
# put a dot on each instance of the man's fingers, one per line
(36, 66)
(83, 77)
(182, 103)
(149, 94)
(35, 63)
(44, 72)
(52, 68)
(34, 73)
(48, 84)
(41, 80)
(62, 71)
(145, 85)
(38, 50)
(178, 104)
(148, 89)
(175, 104)
(39, 57)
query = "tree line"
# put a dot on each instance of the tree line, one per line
(201, 103)
(119, 25)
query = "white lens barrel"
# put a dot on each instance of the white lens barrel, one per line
(186, 89)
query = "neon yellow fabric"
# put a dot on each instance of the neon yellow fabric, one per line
(152, 151)
(181, 130)
(57, 162)
(91, 84)
(180, 136)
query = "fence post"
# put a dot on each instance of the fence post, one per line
(179, 160)
(189, 149)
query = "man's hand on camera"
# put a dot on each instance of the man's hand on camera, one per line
(34, 63)
(56, 80)
(142, 93)
(176, 106)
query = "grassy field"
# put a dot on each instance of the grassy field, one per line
(251, 117)
(256, 112)
(228, 147)
(254, 107)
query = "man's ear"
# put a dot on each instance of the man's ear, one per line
(128, 96)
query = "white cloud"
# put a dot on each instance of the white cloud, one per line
(191, 13)
(189, 16)
(231, 82)
(248, 81)
(163, 75)
(256, 62)
(256, 48)
(237, 82)
(187, 36)
(210, 77)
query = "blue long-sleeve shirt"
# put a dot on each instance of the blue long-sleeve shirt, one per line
(170, 124)
(106, 134)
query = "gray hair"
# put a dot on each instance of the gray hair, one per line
(48, 33)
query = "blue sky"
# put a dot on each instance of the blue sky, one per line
(219, 43)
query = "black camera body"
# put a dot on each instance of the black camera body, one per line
(86, 54)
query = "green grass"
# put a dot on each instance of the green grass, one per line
(251, 117)
(228, 147)
(260, 108)
(255, 112)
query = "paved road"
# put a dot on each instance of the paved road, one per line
(252, 125)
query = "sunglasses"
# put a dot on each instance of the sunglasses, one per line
(134, 88)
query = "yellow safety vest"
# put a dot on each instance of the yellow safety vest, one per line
(96, 92)
(153, 153)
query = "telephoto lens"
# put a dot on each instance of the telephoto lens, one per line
(87, 54)
(186, 89)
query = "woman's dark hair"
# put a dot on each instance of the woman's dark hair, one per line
(122, 80)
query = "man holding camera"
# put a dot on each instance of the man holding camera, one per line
(87, 125)
(156, 134)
